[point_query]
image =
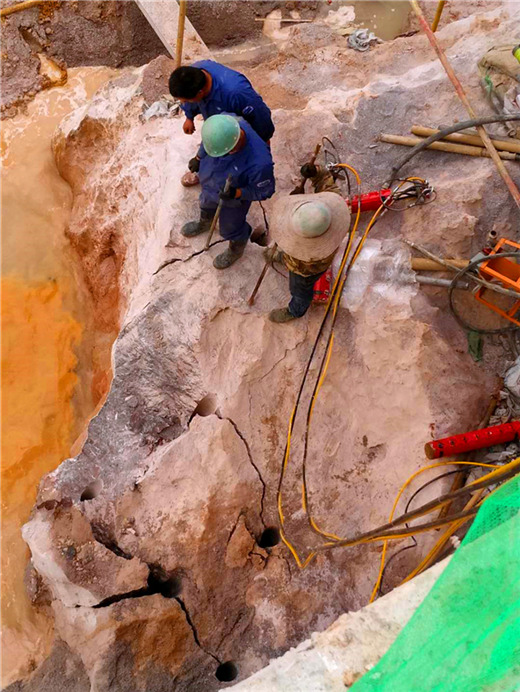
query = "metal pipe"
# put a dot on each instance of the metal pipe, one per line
(514, 191)
(434, 281)
(180, 32)
(477, 279)
(438, 14)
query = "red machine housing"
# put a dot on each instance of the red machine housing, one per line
(322, 287)
(370, 201)
(477, 439)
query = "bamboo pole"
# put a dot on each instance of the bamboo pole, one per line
(450, 147)
(438, 14)
(421, 264)
(180, 32)
(514, 191)
(501, 145)
(19, 6)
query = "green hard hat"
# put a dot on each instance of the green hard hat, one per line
(220, 134)
(516, 52)
(311, 219)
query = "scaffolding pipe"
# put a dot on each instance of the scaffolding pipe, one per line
(438, 14)
(180, 32)
(514, 191)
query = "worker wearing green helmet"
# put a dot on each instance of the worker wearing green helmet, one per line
(230, 147)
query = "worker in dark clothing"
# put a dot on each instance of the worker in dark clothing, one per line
(308, 230)
(208, 88)
(231, 146)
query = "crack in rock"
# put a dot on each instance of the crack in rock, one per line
(187, 259)
(250, 456)
(191, 625)
(231, 533)
(239, 618)
(280, 360)
(136, 593)
(109, 543)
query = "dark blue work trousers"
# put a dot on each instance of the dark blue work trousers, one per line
(302, 292)
(232, 220)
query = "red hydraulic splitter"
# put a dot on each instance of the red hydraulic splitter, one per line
(322, 287)
(369, 202)
(476, 439)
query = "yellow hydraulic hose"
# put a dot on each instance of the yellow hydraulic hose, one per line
(398, 496)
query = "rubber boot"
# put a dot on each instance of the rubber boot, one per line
(230, 256)
(281, 315)
(193, 228)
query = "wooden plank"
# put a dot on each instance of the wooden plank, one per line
(163, 17)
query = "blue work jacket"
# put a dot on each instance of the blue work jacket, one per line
(251, 169)
(231, 92)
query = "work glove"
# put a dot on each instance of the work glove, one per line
(194, 164)
(308, 170)
(228, 194)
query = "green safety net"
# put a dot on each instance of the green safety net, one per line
(465, 636)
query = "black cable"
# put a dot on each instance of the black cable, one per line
(318, 376)
(401, 550)
(486, 120)
(453, 286)
(387, 530)
(410, 500)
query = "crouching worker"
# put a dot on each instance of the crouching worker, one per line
(231, 146)
(207, 88)
(308, 230)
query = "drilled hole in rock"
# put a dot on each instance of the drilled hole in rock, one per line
(226, 672)
(168, 585)
(206, 406)
(91, 491)
(269, 538)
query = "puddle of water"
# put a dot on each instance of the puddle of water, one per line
(46, 399)
(386, 19)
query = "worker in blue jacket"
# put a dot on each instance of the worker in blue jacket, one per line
(208, 88)
(230, 146)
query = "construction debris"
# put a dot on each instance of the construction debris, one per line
(362, 40)
(164, 108)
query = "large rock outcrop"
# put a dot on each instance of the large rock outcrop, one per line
(180, 468)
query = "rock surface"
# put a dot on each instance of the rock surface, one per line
(181, 464)
(333, 660)
(110, 33)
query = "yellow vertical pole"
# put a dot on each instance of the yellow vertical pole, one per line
(438, 13)
(180, 32)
